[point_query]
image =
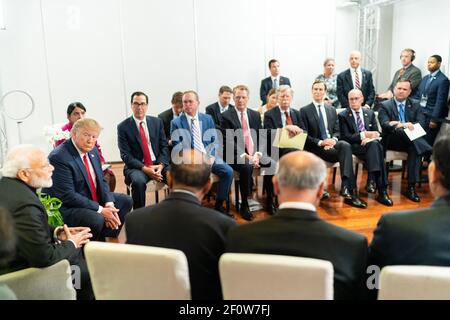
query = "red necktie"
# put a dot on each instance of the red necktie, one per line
(91, 181)
(147, 158)
(288, 118)
(247, 138)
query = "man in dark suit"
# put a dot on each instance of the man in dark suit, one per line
(418, 237)
(246, 146)
(321, 124)
(39, 244)
(396, 115)
(433, 94)
(283, 116)
(143, 148)
(216, 110)
(297, 230)
(180, 222)
(172, 113)
(358, 126)
(355, 78)
(195, 130)
(274, 81)
(408, 71)
(78, 182)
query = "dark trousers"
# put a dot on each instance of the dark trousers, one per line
(373, 154)
(399, 141)
(431, 133)
(138, 180)
(342, 153)
(81, 217)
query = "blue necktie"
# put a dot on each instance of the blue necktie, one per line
(323, 130)
(401, 112)
(427, 85)
(359, 122)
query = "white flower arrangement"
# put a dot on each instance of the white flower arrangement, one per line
(54, 133)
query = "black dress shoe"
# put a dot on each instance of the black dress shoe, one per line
(345, 192)
(271, 209)
(354, 201)
(245, 213)
(411, 194)
(383, 198)
(371, 187)
(325, 195)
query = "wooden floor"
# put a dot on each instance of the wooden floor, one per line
(333, 210)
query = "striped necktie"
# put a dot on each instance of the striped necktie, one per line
(196, 136)
(357, 83)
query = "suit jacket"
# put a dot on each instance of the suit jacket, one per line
(416, 237)
(412, 73)
(413, 113)
(302, 233)
(166, 117)
(130, 144)
(347, 125)
(180, 222)
(437, 93)
(309, 122)
(273, 121)
(35, 244)
(214, 111)
(345, 84)
(266, 85)
(230, 120)
(70, 180)
(184, 136)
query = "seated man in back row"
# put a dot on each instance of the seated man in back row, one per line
(143, 148)
(396, 115)
(78, 182)
(359, 127)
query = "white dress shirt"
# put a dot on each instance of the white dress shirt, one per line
(324, 116)
(358, 70)
(283, 115)
(361, 115)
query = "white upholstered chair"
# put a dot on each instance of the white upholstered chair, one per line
(124, 271)
(51, 283)
(246, 276)
(414, 283)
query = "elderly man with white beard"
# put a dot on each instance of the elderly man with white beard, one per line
(39, 245)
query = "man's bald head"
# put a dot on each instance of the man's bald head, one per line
(301, 170)
(355, 59)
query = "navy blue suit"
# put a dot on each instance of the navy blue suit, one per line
(396, 139)
(181, 136)
(214, 111)
(130, 146)
(372, 153)
(272, 122)
(345, 84)
(71, 186)
(436, 108)
(267, 84)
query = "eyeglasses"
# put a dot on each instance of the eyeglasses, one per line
(137, 105)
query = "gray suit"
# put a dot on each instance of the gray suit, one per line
(412, 73)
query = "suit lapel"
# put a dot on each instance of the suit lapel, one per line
(135, 132)
(79, 162)
(366, 120)
(151, 133)
(348, 78)
(352, 120)
(235, 119)
(278, 121)
(184, 122)
(329, 122)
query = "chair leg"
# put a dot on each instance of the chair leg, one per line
(334, 175)
(403, 169)
(236, 194)
(156, 196)
(356, 171)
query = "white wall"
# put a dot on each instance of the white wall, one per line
(99, 52)
(424, 26)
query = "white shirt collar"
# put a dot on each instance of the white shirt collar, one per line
(138, 122)
(357, 69)
(283, 111)
(297, 205)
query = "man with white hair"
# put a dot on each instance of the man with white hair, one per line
(39, 245)
(297, 230)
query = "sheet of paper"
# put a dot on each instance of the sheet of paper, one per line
(416, 133)
(283, 140)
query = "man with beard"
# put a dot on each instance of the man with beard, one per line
(39, 245)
